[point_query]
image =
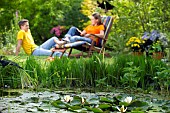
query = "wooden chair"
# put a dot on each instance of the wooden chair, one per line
(90, 48)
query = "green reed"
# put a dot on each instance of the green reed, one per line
(95, 71)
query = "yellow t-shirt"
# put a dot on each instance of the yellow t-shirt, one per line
(27, 41)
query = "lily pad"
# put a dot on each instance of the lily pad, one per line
(59, 104)
(75, 107)
(88, 108)
(104, 106)
(107, 100)
(138, 103)
(97, 110)
(35, 99)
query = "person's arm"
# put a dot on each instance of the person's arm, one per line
(101, 35)
(19, 44)
(83, 33)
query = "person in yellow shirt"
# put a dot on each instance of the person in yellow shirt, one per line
(25, 40)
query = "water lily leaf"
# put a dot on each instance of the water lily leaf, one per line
(75, 102)
(75, 107)
(59, 104)
(15, 101)
(104, 99)
(166, 106)
(114, 108)
(93, 101)
(39, 109)
(88, 108)
(97, 110)
(123, 103)
(137, 112)
(67, 105)
(104, 106)
(77, 97)
(138, 103)
(35, 99)
(117, 99)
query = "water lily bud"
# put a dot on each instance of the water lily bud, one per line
(128, 99)
(67, 98)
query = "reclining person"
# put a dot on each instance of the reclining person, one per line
(26, 40)
(74, 34)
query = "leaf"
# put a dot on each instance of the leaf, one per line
(88, 108)
(123, 103)
(104, 106)
(75, 107)
(97, 110)
(138, 103)
(104, 99)
(59, 104)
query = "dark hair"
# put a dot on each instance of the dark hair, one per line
(97, 16)
(22, 22)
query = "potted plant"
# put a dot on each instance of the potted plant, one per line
(136, 45)
(155, 42)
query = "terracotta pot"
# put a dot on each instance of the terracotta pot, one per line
(157, 55)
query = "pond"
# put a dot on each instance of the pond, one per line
(79, 100)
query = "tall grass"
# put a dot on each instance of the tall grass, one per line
(96, 71)
(14, 77)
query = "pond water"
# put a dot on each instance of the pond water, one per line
(23, 101)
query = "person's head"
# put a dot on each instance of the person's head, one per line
(96, 19)
(24, 24)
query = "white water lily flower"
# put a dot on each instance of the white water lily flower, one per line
(82, 100)
(128, 99)
(122, 109)
(67, 98)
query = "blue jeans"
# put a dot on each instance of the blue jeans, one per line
(74, 36)
(44, 49)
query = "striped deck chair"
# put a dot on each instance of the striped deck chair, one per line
(90, 48)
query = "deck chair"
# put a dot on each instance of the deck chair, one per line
(90, 48)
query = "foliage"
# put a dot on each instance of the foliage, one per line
(134, 17)
(162, 77)
(8, 37)
(155, 41)
(44, 15)
(13, 77)
(97, 71)
(132, 75)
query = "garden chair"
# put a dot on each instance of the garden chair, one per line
(90, 48)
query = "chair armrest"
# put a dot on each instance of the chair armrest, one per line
(95, 35)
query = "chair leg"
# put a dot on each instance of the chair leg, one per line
(70, 52)
(90, 49)
(63, 53)
(52, 53)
